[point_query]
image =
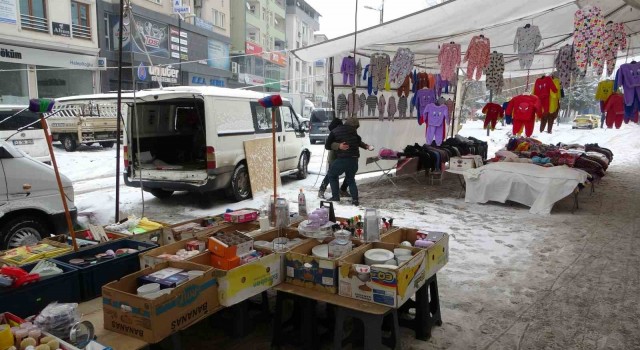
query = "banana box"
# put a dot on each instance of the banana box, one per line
(382, 284)
(437, 255)
(245, 281)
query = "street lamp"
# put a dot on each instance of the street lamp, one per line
(379, 9)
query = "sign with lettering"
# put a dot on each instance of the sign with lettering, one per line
(8, 11)
(161, 74)
(27, 55)
(61, 29)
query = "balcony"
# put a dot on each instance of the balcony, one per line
(80, 31)
(38, 24)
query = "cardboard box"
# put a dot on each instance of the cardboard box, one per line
(460, 163)
(230, 244)
(153, 320)
(385, 286)
(224, 263)
(303, 269)
(248, 280)
(437, 255)
(151, 258)
(272, 234)
(241, 216)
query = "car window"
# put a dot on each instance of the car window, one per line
(18, 121)
(289, 118)
(321, 116)
(262, 118)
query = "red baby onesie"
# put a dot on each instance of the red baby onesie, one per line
(524, 109)
(614, 107)
(492, 112)
(543, 88)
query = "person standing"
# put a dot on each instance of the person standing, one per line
(331, 156)
(345, 141)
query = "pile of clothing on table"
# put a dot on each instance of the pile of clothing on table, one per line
(433, 157)
(590, 157)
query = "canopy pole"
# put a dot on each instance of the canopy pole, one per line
(355, 83)
(490, 101)
(333, 101)
(459, 102)
(119, 111)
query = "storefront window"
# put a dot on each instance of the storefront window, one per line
(53, 83)
(14, 89)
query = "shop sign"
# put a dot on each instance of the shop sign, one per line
(26, 55)
(218, 55)
(8, 11)
(252, 49)
(201, 23)
(61, 29)
(149, 36)
(250, 79)
(179, 44)
(277, 58)
(197, 80)
(162, 74)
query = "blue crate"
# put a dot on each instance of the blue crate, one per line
(31, 298)
(94, 276)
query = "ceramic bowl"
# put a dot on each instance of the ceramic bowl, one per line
(402, 251)
(320, 251)
(403, 259)
(377, 256)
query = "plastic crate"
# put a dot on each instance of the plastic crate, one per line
(31, 298)
(93, 277)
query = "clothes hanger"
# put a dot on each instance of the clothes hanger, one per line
(527, 25)
(610, 22)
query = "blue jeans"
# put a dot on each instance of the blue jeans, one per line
(348, 166)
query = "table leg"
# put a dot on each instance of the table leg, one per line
(309, 324)
(338, 332)
(421, 324)
(241, 319)
(276, 339)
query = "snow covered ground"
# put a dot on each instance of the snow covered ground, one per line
(513, 281)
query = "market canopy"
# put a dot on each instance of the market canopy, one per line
(460, 20)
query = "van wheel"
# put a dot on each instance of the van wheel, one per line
(22, 230)
(240, 188)
(69, 143)
(160, 193)
(107, 144)
(303, 167)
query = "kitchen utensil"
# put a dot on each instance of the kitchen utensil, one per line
(377, 256)
(320, 251)
(401, 251)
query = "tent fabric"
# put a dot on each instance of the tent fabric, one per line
(460, 20)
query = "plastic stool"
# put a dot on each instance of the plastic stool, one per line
(304, 316)
(427, 305)
(372, 328)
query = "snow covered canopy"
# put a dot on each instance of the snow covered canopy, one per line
(460, 20)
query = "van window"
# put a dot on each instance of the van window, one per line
(291, 122)
(321, 116)
(262, 118)
(233, 117)
(23, 118)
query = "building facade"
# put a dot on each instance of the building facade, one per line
(302, 22)
(48, 49)
(161, 47)
(257, 34)
(321, 89)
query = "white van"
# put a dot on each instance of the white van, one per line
(190, 138)
(30, 205)
(31, 140)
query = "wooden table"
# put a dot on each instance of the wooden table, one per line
(92, 311)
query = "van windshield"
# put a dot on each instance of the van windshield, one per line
(321, 116)
(20, 120)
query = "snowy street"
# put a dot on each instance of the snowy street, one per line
(513, 281)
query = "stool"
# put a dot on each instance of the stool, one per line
(427, 310)
(303, 316)
(372, 328)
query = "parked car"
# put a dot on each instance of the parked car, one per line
(586, 121)
(189, 138)
(32, 140)
(30, 205)
(319, 124)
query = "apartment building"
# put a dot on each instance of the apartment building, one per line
(321, 90)
(257, 34)
(302, 22)
(162, 47)
(48, 49)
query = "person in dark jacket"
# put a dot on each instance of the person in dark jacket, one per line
(345, 141)
(330, 158)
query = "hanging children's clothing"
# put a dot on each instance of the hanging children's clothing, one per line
(372, 103)
(477, 56)
(423, 80)
(604, 90)
(405, 87)
(495, 71)
(525, 43)
(436, 117)
(391, 108)
(507, 117)
(402, 107)
(378, 69)
(588, 33)
(423, 98)
(543, 87)
(524, 109)
(492, 112)
(554, 107)
(348, 70)
(614, 40)
(449, 59)
(352, 104)
(341, 105)
(369, 79)
(381, 104)
(450, 106)
(362, 100)
(387, 85)
(614, 109)
(358, 72)
(401, 64)
(566, 65)
(629, 79)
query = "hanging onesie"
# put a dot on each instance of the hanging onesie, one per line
(369, 79)
(405, 87)
(423, 98)
(525, 44)
(524, 109)
(381, 104)
(401, 64)
(391, 108)
(614, 40)
(358, 72)
(449, 59)
(372, 103)
(507, 117)
(492, 112)
(378, 69)
(341, 105)
(436, 116)
(614, 108)
(352, 104)
(628, 77)
(362, 100)
(588, 33)
(495, 79)
(604, 90)
(554, 107)
(543, 88)
(477, 56)
(566, 65)
(402, 107)
(348, 70)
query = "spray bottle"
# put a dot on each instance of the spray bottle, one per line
(302, 204)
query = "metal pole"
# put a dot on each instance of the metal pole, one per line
(119, 109)
(490, 100)
(381, 12)
(333, 101)
(274, 163)
(353, 88)
(67, 215)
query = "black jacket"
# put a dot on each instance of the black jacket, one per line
(335, 123)
(349, 135)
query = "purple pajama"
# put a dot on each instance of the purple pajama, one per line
(435, 117)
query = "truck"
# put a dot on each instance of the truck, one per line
(301, 105)
(84, 124)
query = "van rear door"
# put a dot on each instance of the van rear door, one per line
(31, 140)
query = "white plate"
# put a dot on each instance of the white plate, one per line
(377, 256)
(321, 251)
(262, 244)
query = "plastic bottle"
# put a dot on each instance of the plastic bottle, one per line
(302, 204)
(264, 220)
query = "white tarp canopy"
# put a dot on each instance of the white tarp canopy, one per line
(460, 20)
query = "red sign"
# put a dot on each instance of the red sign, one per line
(252, 49)
(277, 58)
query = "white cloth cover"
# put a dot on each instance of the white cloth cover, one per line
(532, 185)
